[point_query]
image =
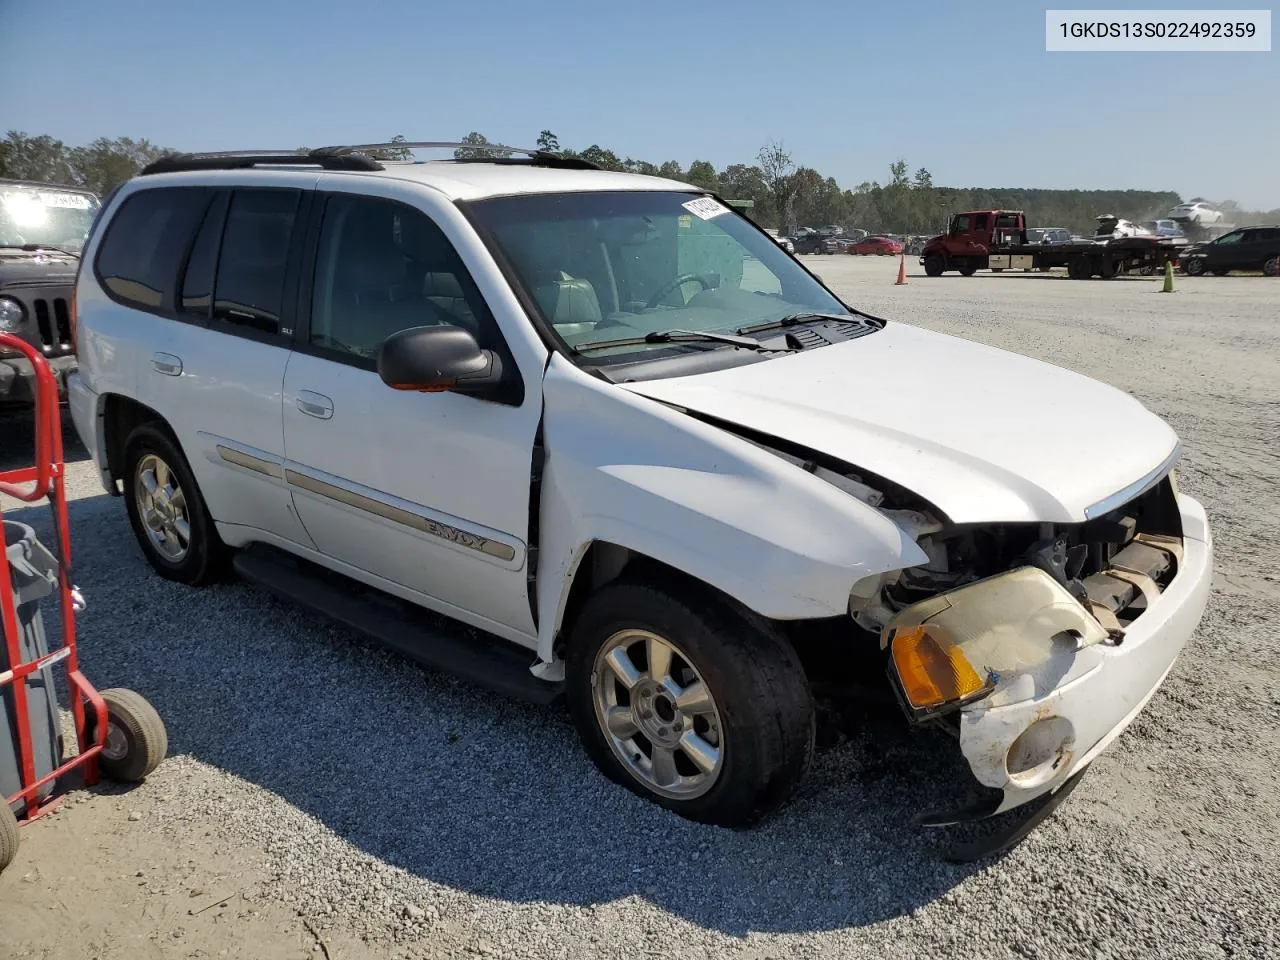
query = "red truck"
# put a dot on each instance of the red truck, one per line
(997, 240)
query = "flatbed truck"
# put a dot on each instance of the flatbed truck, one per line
(997, 240)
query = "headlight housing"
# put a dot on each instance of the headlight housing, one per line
(12, 313)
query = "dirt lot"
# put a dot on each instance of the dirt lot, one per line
(324, 799)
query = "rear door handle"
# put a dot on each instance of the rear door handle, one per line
(315, 404)
(167, 364)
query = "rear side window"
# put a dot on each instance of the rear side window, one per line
(253, 258)
(138, 259)
(197, 282)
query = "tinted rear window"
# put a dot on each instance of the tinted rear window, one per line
(138, 259)
(255, 251)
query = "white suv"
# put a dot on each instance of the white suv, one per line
(665, 472)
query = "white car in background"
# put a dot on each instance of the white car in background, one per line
(656, 466)
(1116, 228)
(1196, 212)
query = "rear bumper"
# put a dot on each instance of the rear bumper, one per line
(1082, 716)
(16, 376)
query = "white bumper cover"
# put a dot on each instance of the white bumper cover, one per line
(1092, 707)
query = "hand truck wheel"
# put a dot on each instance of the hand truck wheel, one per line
(136, 739)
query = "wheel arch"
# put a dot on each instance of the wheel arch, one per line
(118, 416)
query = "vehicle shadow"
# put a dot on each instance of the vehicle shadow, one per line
(17, 438)
(465, 789)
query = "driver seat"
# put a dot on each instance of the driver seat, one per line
(571, 304)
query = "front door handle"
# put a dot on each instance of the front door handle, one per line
(315, 404)
(167, 364)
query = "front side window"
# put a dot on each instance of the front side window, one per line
(383, 267)
(138, 258)
(45, 216)
(1230, 238)
(605, 266)
(961, 224)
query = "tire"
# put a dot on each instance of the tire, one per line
(202, 558)
(1194, 267)
(968, 269)
(1271, 267)
(933, 265)
(760, 724)
(136, 738)
(1107, 268)
(8, 836)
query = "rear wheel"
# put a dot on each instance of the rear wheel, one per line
(933, 265)
(968, 269)
(1271, 268)
(688, 703)
(166, 510)
(8, 835)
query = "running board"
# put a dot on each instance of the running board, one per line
(478, 658)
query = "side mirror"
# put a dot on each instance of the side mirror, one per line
(436, 359)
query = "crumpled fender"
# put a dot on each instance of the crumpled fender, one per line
(636, 473)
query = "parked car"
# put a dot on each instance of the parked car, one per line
(1048, 235)
(785, 243)
(809, 243)
(1198, 212)
(877, 246)
(553, 404)
(1248, 248)
(1163, 228)
(42, 229)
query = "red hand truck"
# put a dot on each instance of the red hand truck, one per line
(119, 734)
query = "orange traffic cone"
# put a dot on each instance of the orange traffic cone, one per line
(902, 271)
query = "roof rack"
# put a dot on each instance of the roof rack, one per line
(241, 159)
(540, 158)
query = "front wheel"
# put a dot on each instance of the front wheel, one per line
(688, 703)
(1194, 267)
(933, 265)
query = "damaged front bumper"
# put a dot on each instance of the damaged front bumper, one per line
(1062, 685)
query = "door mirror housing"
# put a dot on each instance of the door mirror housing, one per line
(439, 358)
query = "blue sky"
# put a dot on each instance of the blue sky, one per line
(965, 89)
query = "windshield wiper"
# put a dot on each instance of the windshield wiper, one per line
(681, 336)
(37, 247)
(795, 319)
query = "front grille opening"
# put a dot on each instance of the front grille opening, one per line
(53, 324)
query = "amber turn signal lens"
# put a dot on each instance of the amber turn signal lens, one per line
(932, 669)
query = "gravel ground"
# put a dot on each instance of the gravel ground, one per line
(398, 812)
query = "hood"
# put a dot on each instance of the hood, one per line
(984, 435)
(21, 267)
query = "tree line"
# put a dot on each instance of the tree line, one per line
(785, 195)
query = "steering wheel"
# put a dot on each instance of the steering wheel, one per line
(674, 284)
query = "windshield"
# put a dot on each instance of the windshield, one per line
(1035, 236)
(614, 265)
(45, 215)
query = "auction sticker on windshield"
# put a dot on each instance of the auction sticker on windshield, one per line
(74, 201)
(704, 208)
